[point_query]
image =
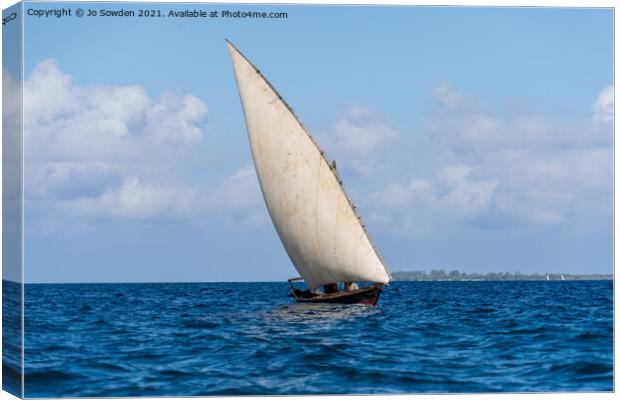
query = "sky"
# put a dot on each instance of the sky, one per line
(477, 139)
(11, 156)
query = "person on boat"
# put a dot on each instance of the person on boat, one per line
(330, 288)
(349, 286)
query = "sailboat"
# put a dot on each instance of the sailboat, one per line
(314, 217)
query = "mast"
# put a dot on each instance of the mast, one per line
(315, 218)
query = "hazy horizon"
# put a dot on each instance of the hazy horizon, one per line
(284, 281)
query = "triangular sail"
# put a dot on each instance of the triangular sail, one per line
(315, 219)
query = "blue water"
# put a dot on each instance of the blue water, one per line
(12, 337)
(249, 338)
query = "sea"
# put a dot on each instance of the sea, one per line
(192, 339)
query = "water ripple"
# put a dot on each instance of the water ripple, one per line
(249, 339)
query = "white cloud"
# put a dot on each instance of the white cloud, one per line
(604, 106)
(445, 96)
(91, 129)
(66, 180)
(114, 152)
(11, 128)
(175, 119)
(49, 93)
(505, 170)
(236, 200)
(240, 196)
(355, 137)
(396, 195)
(106, 124)
(238, 190)
(96, 151)
(465, 196)
(11, 95)
(453, 192)
(136, 200)
(469, 129)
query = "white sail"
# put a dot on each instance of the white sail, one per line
(315, 219)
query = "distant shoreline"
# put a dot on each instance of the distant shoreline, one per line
(441, 275)
(420, 276)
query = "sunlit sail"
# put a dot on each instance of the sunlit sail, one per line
(316, 221)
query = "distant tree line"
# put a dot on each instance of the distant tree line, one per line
(455, 275)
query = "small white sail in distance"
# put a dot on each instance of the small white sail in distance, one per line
(314, 217)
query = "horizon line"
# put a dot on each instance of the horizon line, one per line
(611, 275)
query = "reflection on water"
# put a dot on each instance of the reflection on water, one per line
(318, 313)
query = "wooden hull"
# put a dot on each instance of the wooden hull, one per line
(368, 295)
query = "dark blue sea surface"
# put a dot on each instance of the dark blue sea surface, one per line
(12, 337)
(250, 338)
